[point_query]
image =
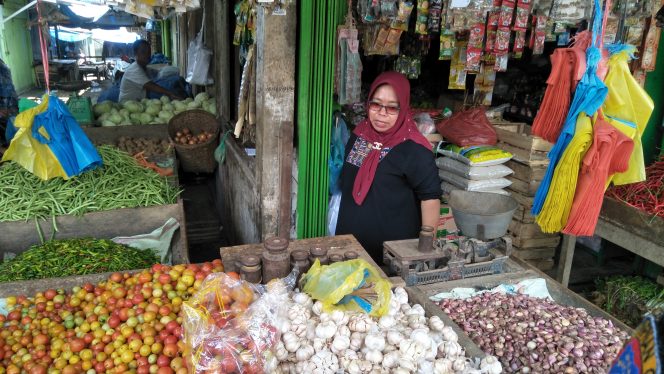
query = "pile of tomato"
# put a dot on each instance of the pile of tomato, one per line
(130, 322)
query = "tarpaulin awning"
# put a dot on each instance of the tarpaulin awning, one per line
(120, 35)
(70, 36)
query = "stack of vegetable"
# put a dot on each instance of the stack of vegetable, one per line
(62, 258)
(629, 298)
(149, 147)
(187, 137)
(120, 183)
(403, 341)
(533, 335)
(647, 195)
(122, 324)
(149, 111)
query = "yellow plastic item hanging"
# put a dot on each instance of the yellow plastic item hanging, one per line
(30, 153)
(555, 211)
(348, 285)
(628, 108)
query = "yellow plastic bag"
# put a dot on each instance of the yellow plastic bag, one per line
(628, 108)
(28, 152)
(352, 285)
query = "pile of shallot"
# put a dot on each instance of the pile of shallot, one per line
(402, 341)
(533, 335)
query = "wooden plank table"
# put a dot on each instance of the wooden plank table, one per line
(231, 256)
(630, 228)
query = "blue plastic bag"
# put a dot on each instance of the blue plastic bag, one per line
(340, 136)
(65, 138)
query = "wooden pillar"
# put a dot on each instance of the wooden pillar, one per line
(275, 103)
(222, 58)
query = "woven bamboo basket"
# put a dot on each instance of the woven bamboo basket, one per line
(195, 158)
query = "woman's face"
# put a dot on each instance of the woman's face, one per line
(383, 108)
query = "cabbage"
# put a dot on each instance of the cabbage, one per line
(203, 96)
(188, 100)
(133, 106)
(102, 108)
(212, 108)
(155, 101)
(135, 118)
(107, 123)
(115, 118)
(193, 105)
(179, 105)
(165, 115)
(152, 109)
(145, 118)
(167, 107)
(145, 101)
(123, 112)
(104, 116)
(164, 99)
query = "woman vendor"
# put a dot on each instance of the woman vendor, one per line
(389, 182)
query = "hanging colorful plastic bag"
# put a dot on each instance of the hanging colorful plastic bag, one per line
(348, 285)
(470, 127)
(628, 108)
(50, 143)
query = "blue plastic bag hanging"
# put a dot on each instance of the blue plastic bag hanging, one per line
(588, 98)
(66, 139)
(340, 136)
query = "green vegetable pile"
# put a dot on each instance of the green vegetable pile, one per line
(120, 183)
(61, 258)
(629, 298)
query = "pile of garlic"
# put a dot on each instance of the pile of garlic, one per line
(403, 341)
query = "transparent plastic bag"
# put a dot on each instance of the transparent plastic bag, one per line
(230, 325)
(352, 285)
(333, 213)
(198, 61)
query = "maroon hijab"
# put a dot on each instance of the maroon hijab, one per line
(404, 129)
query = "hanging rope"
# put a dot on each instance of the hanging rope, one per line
(44, 50)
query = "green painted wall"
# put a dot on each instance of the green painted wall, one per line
(15, 47)
(655, 87)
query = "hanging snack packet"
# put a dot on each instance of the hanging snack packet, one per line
(493, 18)
(540, 38)
(521, 18)
(502, 41)
(380, 40)
(435, 12)
(422, 17)
(391, 47)
(519, 43)
(473, 59)
(506, 13)
(501, 63)
(400, 22)
(447, 43)
(490, 40)
(476, 38)
(388, 10)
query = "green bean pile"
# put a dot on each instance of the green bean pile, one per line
(120, 183)
(61, 258)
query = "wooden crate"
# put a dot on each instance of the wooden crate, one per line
(526, 172)
(528, 243)
(525, 201)
(230, 256)
(516, 139)
(527, 230)
(542, 264)
(534, 253)
(526, 188)
(522, 214)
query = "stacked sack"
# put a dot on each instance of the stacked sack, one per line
(473, 168)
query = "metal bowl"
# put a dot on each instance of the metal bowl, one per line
(482, 215)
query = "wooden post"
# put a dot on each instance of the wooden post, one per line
(566, 258)
(275, 103)
(222, 59)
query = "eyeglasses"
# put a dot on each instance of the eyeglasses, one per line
(390, 110)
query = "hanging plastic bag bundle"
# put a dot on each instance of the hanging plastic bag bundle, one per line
(348, 285)
(628, 108)
(50, 143)
(588, 98)
(558, 203)
(198, 60)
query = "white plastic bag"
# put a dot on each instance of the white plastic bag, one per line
(333, 213)
(477, 186)
(476, 173)
(448, 188)
(198, 61)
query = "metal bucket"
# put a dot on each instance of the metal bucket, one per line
(482, 215)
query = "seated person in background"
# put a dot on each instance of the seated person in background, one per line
(135, 81)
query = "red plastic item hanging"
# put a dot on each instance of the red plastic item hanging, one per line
(44, 50)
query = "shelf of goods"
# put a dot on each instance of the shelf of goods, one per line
(18, 236)
(529, 165)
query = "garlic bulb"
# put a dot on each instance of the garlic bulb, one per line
(443, 366)
(394, 337)
(319, 344)
(326, 330)
(304, 352)
(417, 309)
(317, 308)
(411, 349)
(401, 370)
(299, 329)
(291, 341)
(359, 323)
(302, 299)
(450, 349)
(459, 364)
(424, 367)
(340, 343)
(374, 356)
(280, 351)
(391, 359)
(343, 330)
(416, 320)
(407, 363)
(436, 324)
(491, 365)
(401, 295)
(374, 341)
(298, 314)
(325, 317)
(449, 335)
(339, 317)
(311, 329)
(385, 322)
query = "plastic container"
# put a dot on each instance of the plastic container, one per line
(195, 158)
(81, 109)
(276, 261)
